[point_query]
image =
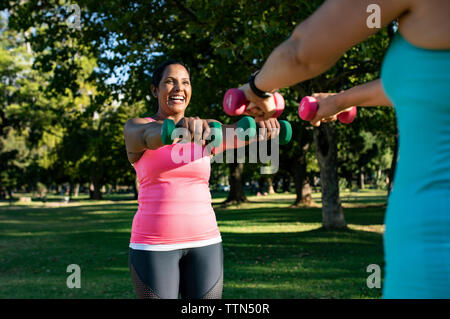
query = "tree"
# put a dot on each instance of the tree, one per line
(24, 112)
(361, 63)
(91, 146)
(220, 40)
(326, 150)
(236, 194)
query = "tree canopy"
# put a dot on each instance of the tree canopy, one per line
(89, 70)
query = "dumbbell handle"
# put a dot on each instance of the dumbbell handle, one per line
(308, 108)
(169, 126)
(235, 103)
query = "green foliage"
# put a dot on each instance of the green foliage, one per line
(222, 41)
(24, 113)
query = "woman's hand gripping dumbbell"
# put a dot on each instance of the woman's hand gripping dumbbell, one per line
(309, 106)
(235, 103)
(247, 129)
(207, 131)
(213, 136)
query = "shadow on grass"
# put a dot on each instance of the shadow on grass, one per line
(308, 264)
(38, 244)
(359, 216)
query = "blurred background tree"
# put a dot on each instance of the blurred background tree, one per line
(93, 78)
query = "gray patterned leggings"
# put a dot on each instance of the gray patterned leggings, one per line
(193, 273)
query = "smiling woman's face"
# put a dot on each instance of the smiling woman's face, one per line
(174, 90)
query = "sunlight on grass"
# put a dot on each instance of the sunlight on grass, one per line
(371, 228)
(271, 250)
(271, 228)
(349, 199)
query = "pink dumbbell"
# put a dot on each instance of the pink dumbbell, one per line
(235, 103)
(308, 109)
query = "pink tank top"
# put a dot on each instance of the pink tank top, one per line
(174, 198)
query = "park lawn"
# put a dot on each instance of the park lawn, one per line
(271, 250)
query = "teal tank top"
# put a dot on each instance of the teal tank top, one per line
(417, 221)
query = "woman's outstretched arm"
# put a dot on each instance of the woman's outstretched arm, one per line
(331, 104)
(318, 42)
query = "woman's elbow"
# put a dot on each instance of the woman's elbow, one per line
(306, 57)
(295, 45)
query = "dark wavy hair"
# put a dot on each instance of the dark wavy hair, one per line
(158, 73)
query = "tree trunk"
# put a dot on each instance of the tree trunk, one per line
(302, 186)
(236, 194)
(76, 190)
(378, 180)
(303, 193)
(361, 178)
(349, 179)
(95, 190)
(306, 193)
(270, 189)
(326, 152)
(10, 193)
(261, 181)
(286, 184)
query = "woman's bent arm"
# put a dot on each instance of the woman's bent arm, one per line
(318, 42)
(140, 134)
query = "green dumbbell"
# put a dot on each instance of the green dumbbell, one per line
(248, 123)
(169, 126)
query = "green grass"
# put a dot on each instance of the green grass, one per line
(271, 250)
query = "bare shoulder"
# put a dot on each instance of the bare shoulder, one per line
(427, 24)
(135, 122)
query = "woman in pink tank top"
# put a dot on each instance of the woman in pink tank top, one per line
(175, 245)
